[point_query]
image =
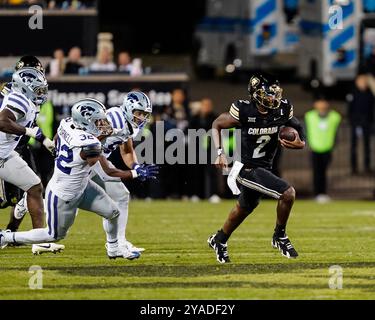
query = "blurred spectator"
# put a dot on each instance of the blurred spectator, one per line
(126, 65)
(361, 115)
(124, 62)
(44, 164)
(204, 177)
(176, 115)
(370, 62)
(178, 109)
(56, 66)
(321, 126)
(73, 64)
(104, 62)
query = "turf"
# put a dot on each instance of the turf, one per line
(179, 265)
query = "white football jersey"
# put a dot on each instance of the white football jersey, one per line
(71, 173)
(25, 112)
(117, 120)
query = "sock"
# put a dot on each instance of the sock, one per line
(110, 228)
(122, 221)
(29, 237)
(221, 236)
(280, 230)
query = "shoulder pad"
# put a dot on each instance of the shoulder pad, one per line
(75, 137)
(92, 150)
(116, 118)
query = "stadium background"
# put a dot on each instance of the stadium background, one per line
(177, 263)
(165, 36)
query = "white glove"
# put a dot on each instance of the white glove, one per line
(49, 144)
(35, 133)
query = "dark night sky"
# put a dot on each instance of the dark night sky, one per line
(141, 25)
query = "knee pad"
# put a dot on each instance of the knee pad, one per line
(249, 206)
(115, 214)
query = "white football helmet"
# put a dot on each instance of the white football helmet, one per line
(90, 115)
(32, 83)
(137, 101)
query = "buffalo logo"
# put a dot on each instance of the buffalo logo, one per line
(254, 81)
(87, 111)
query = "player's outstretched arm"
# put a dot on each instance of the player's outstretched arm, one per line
(224, 121)
(8, 123)
(114, 172)
(299, 142)
(128, 154)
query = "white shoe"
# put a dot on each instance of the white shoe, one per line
(322, 198)
(21, 208)
(214, 199)
(47, 247)
(131, 247)
(114, 251)
(3, 243)
(195, 198)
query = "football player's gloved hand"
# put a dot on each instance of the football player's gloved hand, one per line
(35, 133)
(146, 171)
(50, 146)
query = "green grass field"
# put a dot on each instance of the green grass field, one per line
(179, 265)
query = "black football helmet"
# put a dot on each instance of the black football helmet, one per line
(29, 62)
(265, 90)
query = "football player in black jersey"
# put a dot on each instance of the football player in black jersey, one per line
(260, 119)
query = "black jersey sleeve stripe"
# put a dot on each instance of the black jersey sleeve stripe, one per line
(234, 115)
(235, 107)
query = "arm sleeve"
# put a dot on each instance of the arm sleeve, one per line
(234, 111)
(296, 124)
(17, 104)
(92, 150)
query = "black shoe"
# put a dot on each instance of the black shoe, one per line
(221, 249)
(285, 246)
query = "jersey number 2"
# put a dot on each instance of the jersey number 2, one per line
(262, 141)
(62, 158)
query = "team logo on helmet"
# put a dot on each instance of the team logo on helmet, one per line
(27, 77)
(87, 111)
(254, 81)
(19, 65)
(133, 96)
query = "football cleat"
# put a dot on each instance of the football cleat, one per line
(131, 247)
(114, 252)
(3, 244)
(221, 249)
(285, 246)
(21, 209)
(40, 248)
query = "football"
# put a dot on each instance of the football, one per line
(288, 133)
